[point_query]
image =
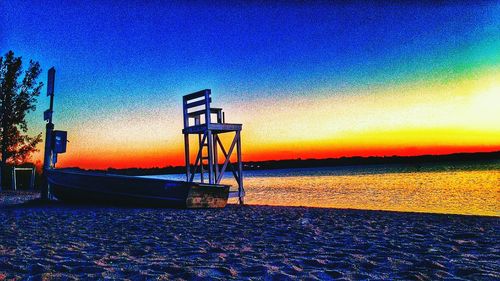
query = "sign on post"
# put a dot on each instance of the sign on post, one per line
(50, 81)
(59, 140)
(47, 114)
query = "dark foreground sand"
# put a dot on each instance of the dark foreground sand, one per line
(58, 241)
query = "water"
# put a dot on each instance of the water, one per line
(470, 190)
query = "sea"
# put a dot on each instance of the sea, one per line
(447, 188)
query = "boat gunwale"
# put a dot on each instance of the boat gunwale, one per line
(95, 174)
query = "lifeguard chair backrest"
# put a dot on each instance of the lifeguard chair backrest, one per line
(196, 104)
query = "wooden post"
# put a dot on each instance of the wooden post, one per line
(13, 183)
(32, 182)
(209, 138)
(240, 168)
(186, 139)
(210, 158)
(201, 144)
(216, 156)
(186, 156)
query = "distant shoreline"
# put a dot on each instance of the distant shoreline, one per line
(477, 157)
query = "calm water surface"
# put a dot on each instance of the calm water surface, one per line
(443, 189)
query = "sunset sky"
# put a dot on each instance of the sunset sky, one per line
(309, 81)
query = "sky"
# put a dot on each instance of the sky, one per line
(305, 80)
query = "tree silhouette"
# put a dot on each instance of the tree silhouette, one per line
(17, 98)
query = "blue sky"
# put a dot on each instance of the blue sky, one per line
(257, 45)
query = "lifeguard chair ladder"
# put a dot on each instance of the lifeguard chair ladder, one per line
(195, 106)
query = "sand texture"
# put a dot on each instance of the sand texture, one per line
(58, 241)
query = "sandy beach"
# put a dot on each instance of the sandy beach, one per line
(57, 241)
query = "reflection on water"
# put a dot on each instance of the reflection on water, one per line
(452, 191)
(463, 192)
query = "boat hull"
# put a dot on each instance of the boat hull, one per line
(95, 188)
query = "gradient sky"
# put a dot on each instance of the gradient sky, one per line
(309, 81)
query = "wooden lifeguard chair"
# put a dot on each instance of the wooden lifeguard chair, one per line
(195, 106)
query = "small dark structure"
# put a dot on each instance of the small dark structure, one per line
(24, 169)
(196, 108)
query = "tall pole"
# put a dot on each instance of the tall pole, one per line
(2, 109)
(49, 128)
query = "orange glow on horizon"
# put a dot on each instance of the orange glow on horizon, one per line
(159, 160)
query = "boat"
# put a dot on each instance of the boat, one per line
(83, 187)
